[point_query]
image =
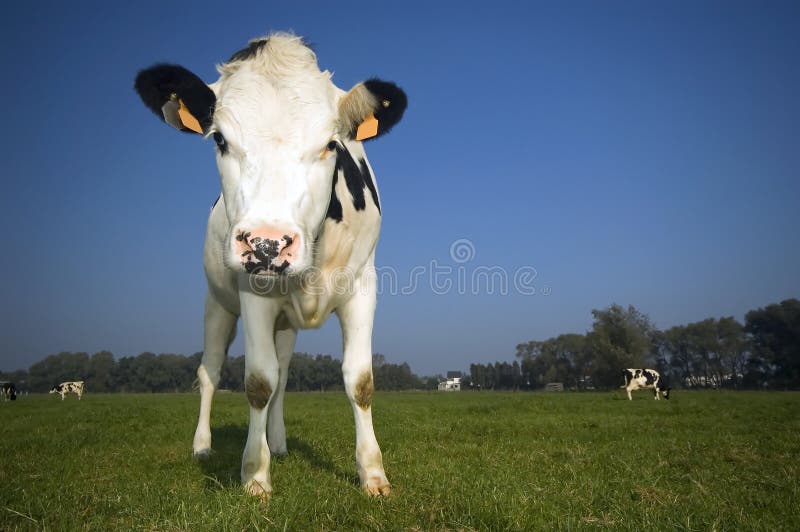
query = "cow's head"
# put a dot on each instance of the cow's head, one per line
(55, 389)
(279, 124)
(665, 392)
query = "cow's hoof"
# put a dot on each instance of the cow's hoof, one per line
(201, 454)
(377, 486)
(278, 453)
(257, 489)
(201, 445)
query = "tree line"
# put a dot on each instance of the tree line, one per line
(764, 352)
(148, 372)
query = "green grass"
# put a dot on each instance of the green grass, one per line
(510, 461)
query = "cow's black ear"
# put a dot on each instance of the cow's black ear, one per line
(371, 109)
(177, 96)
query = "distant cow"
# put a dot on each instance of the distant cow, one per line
(9, 391)
(68, 387)
(638, 379)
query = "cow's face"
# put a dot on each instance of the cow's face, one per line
(54, 389)
(279, 124)
(665, 392)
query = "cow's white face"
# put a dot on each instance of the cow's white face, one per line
(276, 151)
(279, 124)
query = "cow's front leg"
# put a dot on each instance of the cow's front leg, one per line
(276, 430)
(356, 318)
(261, 378)
(219, 329)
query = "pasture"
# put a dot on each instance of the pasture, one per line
(502, 461)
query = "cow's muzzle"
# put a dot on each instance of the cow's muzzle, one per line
(266, 250)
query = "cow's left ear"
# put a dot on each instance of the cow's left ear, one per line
(177, 96)
(371, 109)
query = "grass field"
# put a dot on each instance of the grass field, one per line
(502, 461)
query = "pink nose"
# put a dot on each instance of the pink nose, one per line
(267, 250)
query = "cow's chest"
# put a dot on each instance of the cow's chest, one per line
(310, 302)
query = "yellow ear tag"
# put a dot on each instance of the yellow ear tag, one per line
(368, 128)
(188, 121)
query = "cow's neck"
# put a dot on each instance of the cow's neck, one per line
(345, 245)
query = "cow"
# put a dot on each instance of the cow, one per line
(8, 391)
(292, 237)
(65, 388)
(638, 379)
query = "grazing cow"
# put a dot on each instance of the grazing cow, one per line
(68, 387)
(638, 379)
(8, 391)
(292, 237)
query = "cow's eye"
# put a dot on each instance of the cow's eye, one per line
(220, 140)
(331, 145)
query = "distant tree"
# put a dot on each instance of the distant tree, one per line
(431, 382)
(775, 334)
(121, 375)
(232, 374)
(378, 360)
(505, 376)
(678, 349)
(18, 377)
(708, 353)
(620, 338)
(58, 368)
(101, 366)
(733, 349)
(659, 354)
(704, 345)
(320, 372)
(395, 377)
(477, 375)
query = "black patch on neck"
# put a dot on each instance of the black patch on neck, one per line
(357, 177)
(352, 176)
(367, 175)
(335, 206)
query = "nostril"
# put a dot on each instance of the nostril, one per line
(264, 249)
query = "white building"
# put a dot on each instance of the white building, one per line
(452, 384)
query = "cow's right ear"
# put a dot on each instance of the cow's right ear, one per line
(177, 96)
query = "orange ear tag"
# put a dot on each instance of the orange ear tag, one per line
(188, 121)
(368, 128)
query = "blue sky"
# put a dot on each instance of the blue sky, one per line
(634, 152)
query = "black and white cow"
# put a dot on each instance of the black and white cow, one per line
(638, 379)
(64, 388)
(8, 391)
(292, 237)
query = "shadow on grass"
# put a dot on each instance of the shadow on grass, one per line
(319, 460)
(222, 467)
